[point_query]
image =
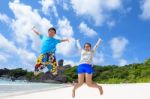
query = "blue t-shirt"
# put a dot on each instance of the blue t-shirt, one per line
(48, 44)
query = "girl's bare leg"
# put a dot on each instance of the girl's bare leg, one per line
(79, 84)
(90, 83)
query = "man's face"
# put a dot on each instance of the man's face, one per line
(51, 33)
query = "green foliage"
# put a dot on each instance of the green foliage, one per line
(29, 75)
(18, 72)
(131, 73)
(147, 61)
(71, 73)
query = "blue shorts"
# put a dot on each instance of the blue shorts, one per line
(85, 68)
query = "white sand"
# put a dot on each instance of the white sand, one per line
(111, 91)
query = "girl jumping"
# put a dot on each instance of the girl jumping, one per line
(85, 69)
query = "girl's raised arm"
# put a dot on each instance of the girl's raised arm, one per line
(78, 45)
(97, 44)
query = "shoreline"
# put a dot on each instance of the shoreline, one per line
(26, 92)
(117, 91)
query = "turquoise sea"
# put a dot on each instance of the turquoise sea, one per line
(7, 87)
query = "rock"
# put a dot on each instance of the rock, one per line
(60, 62)
(20, 78)
(60, 70)
(61, 78)
(51, 81)
(47, 76)
(13, 79)
(5, 76)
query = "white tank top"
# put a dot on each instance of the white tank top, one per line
(87, 56)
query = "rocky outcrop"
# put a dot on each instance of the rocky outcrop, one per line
(19, 78)
(51, 81)
(47, 76)
(61, 78)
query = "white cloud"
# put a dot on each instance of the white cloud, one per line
(96, 10)
(127, 10)
(3, 57)
(64, 3)
(6, 45)
(111, 23)
(122, 62)
(8, 50)
(67, 49)
(111, 4)
(4, 18)
(145, 6)
(87, 30)
(64, 28)
(98, 58)
(65, 31)
(27, 57)
(70, 62)
(82, 7)
(65, 6)
(118, 45)
(48, 6)
(25, 19)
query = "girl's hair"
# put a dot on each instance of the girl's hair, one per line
(87, 44)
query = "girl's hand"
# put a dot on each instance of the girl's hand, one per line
(78, 40)
(100, 40)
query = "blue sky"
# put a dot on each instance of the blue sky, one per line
(122, 24)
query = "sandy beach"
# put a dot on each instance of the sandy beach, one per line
(111, 91)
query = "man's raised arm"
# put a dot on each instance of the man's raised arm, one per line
(35, 31)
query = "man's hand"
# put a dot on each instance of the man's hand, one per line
(65, 40)
(35, 31)
(33, 28)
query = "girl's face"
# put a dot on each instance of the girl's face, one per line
(87, 47)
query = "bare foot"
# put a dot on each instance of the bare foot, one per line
(73, 93)
(101, 90)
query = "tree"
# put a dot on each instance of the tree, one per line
(147, 62)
